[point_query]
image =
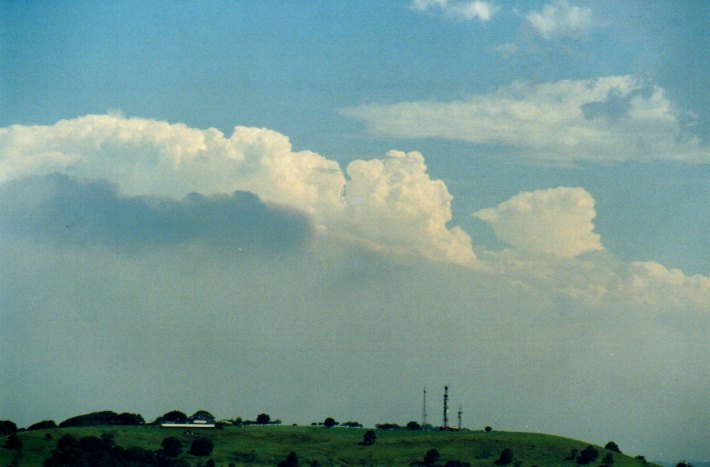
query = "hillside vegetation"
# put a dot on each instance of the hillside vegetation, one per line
(270, 445)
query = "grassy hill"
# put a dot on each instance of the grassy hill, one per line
(269, 445)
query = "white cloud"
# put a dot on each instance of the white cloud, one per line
(394, 200)
(390, 204)
(506, 50)
(560, 20)
(614, 118)
(556, 222)
(661, 289)
(145, 156)
(458, 10)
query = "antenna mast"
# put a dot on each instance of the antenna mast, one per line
(424, 409)
(446, 407)
(460, 413)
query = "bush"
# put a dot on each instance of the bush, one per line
(290, 461)
(506, 457)
(387, 426)
(587, 456)
(414, 426)
(13, 442)
(174, 416)
(7, 427)
(202, 447)
(202, 415)
(171, 446)
(368, 439)
(67, 443)
(103, 418)
(608, 460)
(431, 456)
(329, 422)
(612, 446)
(263, 419)
(488, 429)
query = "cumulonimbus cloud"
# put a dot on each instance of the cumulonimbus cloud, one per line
(554, 222)
(614, 118)
(62, 209)
(391, 204)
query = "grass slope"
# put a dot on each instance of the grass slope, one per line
(268, 445)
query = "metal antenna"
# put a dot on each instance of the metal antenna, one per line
(424, 409)
(460, 413)
(446, 407)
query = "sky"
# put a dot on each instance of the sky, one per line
(318, 209)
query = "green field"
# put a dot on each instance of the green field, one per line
(268, 445)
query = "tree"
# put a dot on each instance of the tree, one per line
(202, 415)
(105, 417)
(413, 426)
(607, 461)
(329, 422)
(263, 419)
(67, 443)
(488, 429)
(612, 446)
(201, 447)
(13, 442)
(587, 456)
(431, 456)
(174, 416)
(290, 461)
(7, 427)
(368, 439)
(43, 425)
(506, 457)
(171, 446)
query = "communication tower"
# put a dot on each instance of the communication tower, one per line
(446, 407)
(460, 412)
(424, 409)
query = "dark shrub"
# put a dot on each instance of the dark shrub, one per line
(612, 446)
(92, 443)
(488, 429)
(174, 416)
(138, 456)
(607, 461)
(203, 415)
(263, 419)
(201, 447)
(290, 461)
(67, 443)
(368, 439)
(587, 456)
(7, 427)
(387, 426)
(43, 425)
(413, 426)
(329, 422)
(103, 418)
(171, 446)
(431, 456)
(506, 457)
(48, 436)
(13, 442)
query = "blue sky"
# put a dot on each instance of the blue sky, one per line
(465, 165)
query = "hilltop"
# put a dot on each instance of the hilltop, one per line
(317, 445)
